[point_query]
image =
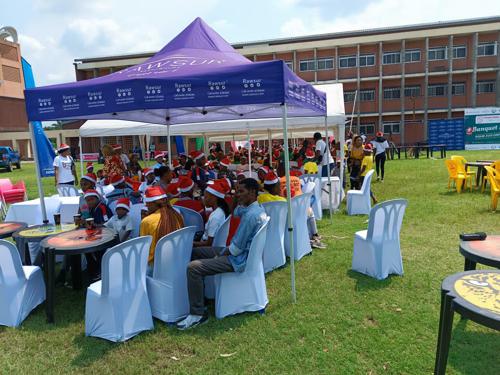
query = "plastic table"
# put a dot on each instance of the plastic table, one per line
(485, 252)
(8, 228)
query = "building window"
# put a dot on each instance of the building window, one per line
(367, 129)
(367, 60)
(412, 55)
(349, 96)
(391, 127)
(485, 87)
(458, 89)
(367, 95)
(459, 52)
(392, 93)
(487, 49)
(307, 65)
(391, 58)
(325, 63)
(438, 53)
(347, 61)
(412, 91)
(437, 90)
(163, 139)
(289, 64)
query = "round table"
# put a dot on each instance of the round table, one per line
(35, 234)
(485, 252)
(72, 243)
(8, 228)
(473, 294)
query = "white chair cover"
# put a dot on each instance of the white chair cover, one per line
(69, 208)
(117, 307)
(135, 215)
(167, 288)
(220, 239)
(67, 191)
(274, 250)
(358, 201)
(21, 287)
(112, 206)
(325, 193)
(377, 251)
(237, 292)
(191, 218)
(316, 202)
(301, 241)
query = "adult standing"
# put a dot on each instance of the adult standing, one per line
(324, 160)
(381, 145)
(123, 157)
(64, 167)
(113, 164)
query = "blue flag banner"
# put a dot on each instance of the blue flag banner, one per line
(46, 152)
(179, 144)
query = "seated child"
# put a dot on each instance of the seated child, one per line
(121, 222)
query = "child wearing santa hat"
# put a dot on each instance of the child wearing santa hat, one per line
(121, 222)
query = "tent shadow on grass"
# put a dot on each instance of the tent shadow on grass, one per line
(366, 283)
(470, 350)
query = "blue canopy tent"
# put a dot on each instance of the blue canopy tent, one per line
(197, 77)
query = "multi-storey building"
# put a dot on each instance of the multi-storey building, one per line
(395, 79)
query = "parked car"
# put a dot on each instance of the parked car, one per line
(9, 157)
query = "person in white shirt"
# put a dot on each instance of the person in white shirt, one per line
(64, 167)
(121, 222)
(325, 160)
(214, 198)
(380, 144)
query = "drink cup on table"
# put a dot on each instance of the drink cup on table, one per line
(90, 223)
(77, 219)
(57, 219)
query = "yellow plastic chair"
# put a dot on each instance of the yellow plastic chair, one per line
(494, 177)
(462, 162)
(496, 167)
(457, 176)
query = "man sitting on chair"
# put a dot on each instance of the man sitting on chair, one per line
(212, 260)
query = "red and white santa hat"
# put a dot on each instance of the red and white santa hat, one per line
(185, 184)
(159, 155)
(63, 147)
(92, 193)
(271, 178)
(264, 168)
(216, 189)
(226, 184)
(117, 147)
(225, 162)
(147, 171)
(195, 155)
(90, 177)
(123, 203)
(309, 153)
(175, 163)
(154, 193)
(116, 180)
(173, 190)
(89, 165)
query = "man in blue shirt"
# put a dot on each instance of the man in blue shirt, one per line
(213, 260)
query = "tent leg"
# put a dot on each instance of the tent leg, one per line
(169, 147)
(328, 169)
(38, 174)
(269, 148)
(289, 201)
(81, 154)
(249, 153)
(342, 156)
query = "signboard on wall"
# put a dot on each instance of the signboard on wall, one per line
(90, 157)
(482, 128)
(449, 132)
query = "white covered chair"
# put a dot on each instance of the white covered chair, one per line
(21, 287)
(191, 218)
(117, 307)
(220, 239)
(67, 191)
(301, 241)
(377, 251)
(274, 250)
(167, 288)
(359, 201)
(317, 192)
(135, 215)
(237, 292)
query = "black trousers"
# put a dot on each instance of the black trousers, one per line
(379, 164)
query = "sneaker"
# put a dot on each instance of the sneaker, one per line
(381, 180)
(378, 178)
(317, 244)
(191, 321)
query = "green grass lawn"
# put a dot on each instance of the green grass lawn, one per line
(342, 323)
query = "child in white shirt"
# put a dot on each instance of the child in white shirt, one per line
(121, 222)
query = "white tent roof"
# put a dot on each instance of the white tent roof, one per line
(335, 108)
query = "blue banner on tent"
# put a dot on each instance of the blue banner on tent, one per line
(46, 152)
(447, 131)
(179, 144)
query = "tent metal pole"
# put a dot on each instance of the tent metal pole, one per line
(289, 201)
(342, 156)
(249, 153)
(269, 148)
(169, 147)
(38, 174)
(328, 169)
(81, 154)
